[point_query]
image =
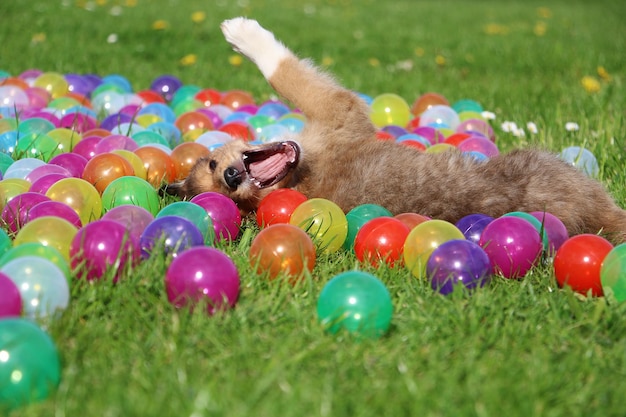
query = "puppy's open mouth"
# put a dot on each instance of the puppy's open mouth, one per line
(269, 164)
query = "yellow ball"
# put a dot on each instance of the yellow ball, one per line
(48, 231)
(390, 109)
(79, 195)
(423, 240)
(11, 187)
(324, 221)
(53, 82)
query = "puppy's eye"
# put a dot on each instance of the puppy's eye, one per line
(212, 164)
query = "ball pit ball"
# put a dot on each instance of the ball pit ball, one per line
(423, 240)
(411, 219)
(202, 275)
(79, 195)
(324, 221)
(133, 218)
(56, 209)
(578, 262)
(512, 244)
(284, 249)
(39, 250)
(103, 168)
(223, 212)
(582, 159)
(192, 212)
(358, 216)
(48, 231)
(472, 225)
(357, 302)
(381, 240)
(536, 223)
(10, 300)
(426, 101)
(27, 351)
(131, 191)
(440, 116)
(235, 99)
(458, 262)
(170, 235)
(612, 273)
(185, 156)
(479, 144)
(277, 206)
(166, 86)
(42, 285)
(159, 166)
(102, 246)
(389, 109)
(555, 229)
(15, 212)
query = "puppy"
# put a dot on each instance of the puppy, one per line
(337, 157)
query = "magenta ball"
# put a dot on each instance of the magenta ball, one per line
(458, 262)
(86, 147)
(100, 246)
(15, 212)
(72, 162)
(479, 144)
(56, 209)
(134, 218)
(224, 214)
(202, 274)
(554, 227)
(512, 244)
(41, 185)
(115, 142)
(10, 298)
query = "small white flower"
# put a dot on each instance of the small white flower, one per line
(519, 133)
(487, 115)
(508, 126)
(112, 38)
(571, 126)
(116, 11)
(532, 127)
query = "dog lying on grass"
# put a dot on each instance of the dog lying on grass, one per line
(337, 157)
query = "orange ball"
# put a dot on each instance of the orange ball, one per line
(236, 98)
(158, 164)
(185, 156)
(411, 219)
(426, 101)
(192, 120)
(103, 168)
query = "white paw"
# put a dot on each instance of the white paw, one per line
(256, 43)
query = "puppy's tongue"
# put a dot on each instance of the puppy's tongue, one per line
(268, 164)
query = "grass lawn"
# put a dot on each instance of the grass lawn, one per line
(514, 348)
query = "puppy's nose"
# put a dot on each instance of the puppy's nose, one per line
(232, 176)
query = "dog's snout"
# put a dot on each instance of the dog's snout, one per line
(232, 176)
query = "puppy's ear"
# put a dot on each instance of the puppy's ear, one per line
(178, 188)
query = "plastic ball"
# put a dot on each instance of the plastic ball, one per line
(37, 249)
(103, 168)
(170, 235)
(10, 300)
(202, 275)
(282, 249)
(22, 167)
(46, 169)
(134, 218)
(87, 147)
(236, 99)
(411, 219)
(277, 206)
(555, 229)
(612, 273)
(15, 212)
(159, 166)
(578, 262)
(324, 221)
(389, 109)
(102, 246)
(357, 302)
(224, 214)
(193, 120)
(458, 262)
(30, 369)
(426, 101)
(42, 285)
(423, 240)
(479, 144)
(133, 191)
(512, 244)
(166, 86)
(464, 105)
(582, 159)
(48, 231)
(439, 116)
(54, 83)
(79, 195)
(10, 188)
(41, 185)
(381, 240)
(472, 225)
(358, 216)
(185, 156)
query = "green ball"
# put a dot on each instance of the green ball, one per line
(130, 190)
(192, 212)
(30, 368)
(357, 302)
(613, 273)
(37, 249)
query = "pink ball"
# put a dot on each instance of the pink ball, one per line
(56, 209)
(10, 298)
(224, 214)
(512, 244)
(15, 212)
(554, 227)
(479, 144)
(44, 170)
(86, 147)
(134, 218)
(202, 274)
(115, 142)
(74, 163)
(42, 184)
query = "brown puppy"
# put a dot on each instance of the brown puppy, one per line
(337, 157)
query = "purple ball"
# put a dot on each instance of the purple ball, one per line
(10, 298)
(512, 244)
(472, 225)
(166, 86)
(72, 162)
(78, 84)
(111, 122)
(202, 274)
(224, 214)
(554, 227)
(395, 131)
(56, 209)
(172, 234)
(479, 144)
(134, 218)
(430, 133)
(100, 246)
(15, 212)
(458, 262)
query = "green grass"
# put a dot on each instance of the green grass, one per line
(515, 348)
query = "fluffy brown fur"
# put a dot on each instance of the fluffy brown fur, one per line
(341, 160)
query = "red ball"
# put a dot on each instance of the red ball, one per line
(381, 239)
(578, 261)
(277, 206)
